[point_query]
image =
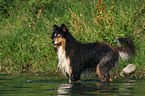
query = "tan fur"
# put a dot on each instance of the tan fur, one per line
(98, 71)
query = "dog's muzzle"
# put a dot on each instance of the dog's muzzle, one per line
(56, 44)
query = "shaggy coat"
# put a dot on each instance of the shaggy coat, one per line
(76, 57)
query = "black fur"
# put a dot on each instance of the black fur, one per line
(98, 56)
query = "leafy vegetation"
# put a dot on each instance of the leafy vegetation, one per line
(26, 27)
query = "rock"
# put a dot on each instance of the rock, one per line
(128, 69)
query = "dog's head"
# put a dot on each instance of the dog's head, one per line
(58, 36)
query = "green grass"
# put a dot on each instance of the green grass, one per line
(26, 27)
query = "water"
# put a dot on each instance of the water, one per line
(27, 85)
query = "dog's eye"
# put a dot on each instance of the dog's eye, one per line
(59, 36)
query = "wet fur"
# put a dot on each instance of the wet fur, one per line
(76, 57)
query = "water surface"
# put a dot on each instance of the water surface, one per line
(26, 85)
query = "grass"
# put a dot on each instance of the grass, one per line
(26, 27)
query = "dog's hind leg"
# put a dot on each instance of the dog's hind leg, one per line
(98, 72)
(105, 65)
(101, 76)
(108, 77)
(103, 72)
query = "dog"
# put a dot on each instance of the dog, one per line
(76, 57)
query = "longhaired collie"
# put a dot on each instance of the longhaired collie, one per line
(76, 57)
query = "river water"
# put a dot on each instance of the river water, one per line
(27, 85)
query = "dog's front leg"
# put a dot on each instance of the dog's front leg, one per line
(70, 80)
(75, 76)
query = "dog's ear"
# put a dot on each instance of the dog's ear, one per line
(54, 27)
(63, 27)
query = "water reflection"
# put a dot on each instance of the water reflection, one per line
(49, 86)
(96, 88)
(83, 88)
(64, 88)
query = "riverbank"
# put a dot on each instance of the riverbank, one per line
(26, 28)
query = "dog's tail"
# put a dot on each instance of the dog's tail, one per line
(128, 48)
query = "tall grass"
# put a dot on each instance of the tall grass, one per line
(26, 27)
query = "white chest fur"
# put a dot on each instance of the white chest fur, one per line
(64, 62)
